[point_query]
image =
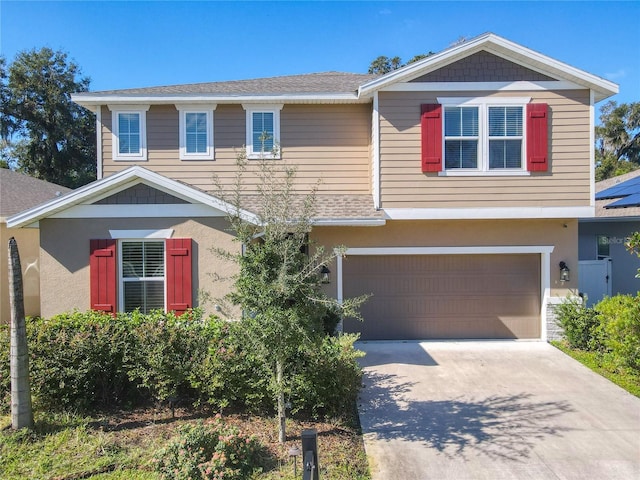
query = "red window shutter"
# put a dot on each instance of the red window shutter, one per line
(179, 295)
(431, 128)
(103, 281)
(537, 137)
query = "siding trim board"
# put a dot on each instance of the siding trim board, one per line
(488, 213)
(520, 86)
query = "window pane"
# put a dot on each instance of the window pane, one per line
(129, 133)
(603, 246)
(505, 121)
(196, 132)
(262, 133)
(145, 295)
(461, 121)
(461, 154)
(505, 154)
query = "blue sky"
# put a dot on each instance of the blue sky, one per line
(124, 44)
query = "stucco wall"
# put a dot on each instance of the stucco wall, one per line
(65, 257)
(28, 246)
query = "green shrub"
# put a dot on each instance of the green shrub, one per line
(212, 451)
(327, 379)
(231, 375)
(167, 350)
(620, 318)
(580, 324)
(77, 360)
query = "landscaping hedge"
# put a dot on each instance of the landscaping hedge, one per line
(90, 360)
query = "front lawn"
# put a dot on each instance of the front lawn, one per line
(122, 446)
(603, 365)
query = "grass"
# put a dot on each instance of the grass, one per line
(121, 446)
(603, 365)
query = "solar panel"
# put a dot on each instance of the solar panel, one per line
(630, 187)
(628, 201)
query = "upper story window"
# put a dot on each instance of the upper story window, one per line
(263, 130)
(129, 132)
(196, 133)
(484, 135)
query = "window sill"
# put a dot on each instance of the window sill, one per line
(196, 157)
(491, 173)
(130, 159)
(262, 156)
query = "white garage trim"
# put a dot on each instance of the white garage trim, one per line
(543, 250)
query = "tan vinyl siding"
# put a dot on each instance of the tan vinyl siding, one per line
(404, 185)
(327, 142)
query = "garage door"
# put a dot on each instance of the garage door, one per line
(445, 296)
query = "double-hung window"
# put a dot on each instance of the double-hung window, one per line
(142, 275)
(484, 135)
(129, 132)
(196, 133)
(263, 131)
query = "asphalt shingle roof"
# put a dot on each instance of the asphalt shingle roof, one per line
(329, 207)
(313, 83)
(19, 192)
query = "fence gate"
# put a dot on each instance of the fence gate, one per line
(594, 279)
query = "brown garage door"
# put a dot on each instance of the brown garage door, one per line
(445, 296)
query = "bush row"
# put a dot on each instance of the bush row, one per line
(90, 360)
(611, 327)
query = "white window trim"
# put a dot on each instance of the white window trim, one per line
(121, 280)
(183, 110)
(483, 104)
(115, 135)
(250, 110)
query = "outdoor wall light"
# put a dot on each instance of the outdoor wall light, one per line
(325, 274)
(564, 272)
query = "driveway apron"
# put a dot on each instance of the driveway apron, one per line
(493, 410)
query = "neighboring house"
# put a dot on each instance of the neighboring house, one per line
(19, 192)
(606, 266)
(456, 182)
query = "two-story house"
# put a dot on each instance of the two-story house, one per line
(456, 182)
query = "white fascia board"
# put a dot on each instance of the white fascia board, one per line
(349, 222)
(467, 250)
(489, 213)
(503, 48)
(90, 101)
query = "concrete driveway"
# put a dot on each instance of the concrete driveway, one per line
(493, 410)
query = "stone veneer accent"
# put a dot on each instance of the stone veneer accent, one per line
(554, 331)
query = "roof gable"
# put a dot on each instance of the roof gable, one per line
(500, 47)
(483, 67)
(94, 193)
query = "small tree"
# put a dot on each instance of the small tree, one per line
(278, 286)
